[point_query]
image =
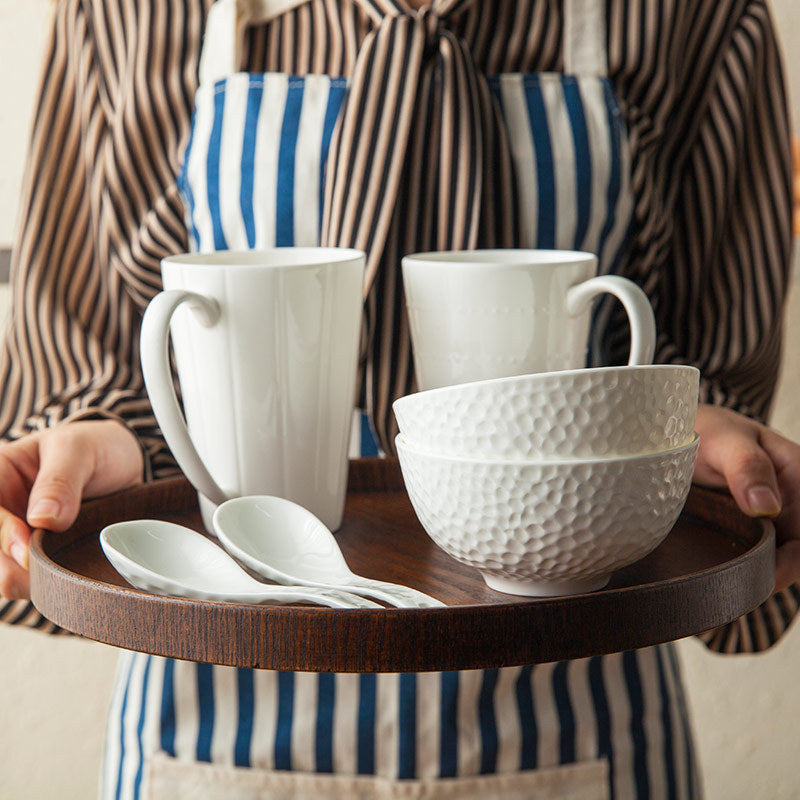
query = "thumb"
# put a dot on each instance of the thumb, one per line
(738, 458)
(64, 470)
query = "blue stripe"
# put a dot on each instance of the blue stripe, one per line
(122, 710)
(369, 445)
(205, 705)
(583, 158)
(168, 709)
(633, 683)
(284, 224)
(212, 169)
(336, 95)
(137, 783)
(527, 720)
(597, 353)
(545, 176)
(407, 735)
(448, 746)
(602, 716)
(487, 722)
(615, 175)
(244, 728)
(184, 187)
(619, 129)
(254, 95)
(283, 726)
(190, 204)
(666, 722)
(566, 716)
(326, 698)
(366, 723)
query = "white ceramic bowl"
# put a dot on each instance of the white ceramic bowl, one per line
(584, 413)
(548, 528)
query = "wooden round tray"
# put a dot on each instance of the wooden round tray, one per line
(715, 565)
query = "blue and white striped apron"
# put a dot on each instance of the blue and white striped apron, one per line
(612, 726)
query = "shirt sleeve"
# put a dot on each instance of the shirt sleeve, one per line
(731, 259)
(758, 630)
(720, 301)
(99, 209)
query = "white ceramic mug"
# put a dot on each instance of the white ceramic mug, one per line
(481, 314)
(266, 347)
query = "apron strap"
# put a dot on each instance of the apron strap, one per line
(585, 38)
(221, 54)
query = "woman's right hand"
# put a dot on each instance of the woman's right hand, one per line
(43, 478)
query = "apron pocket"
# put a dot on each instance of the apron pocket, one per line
(170, 779)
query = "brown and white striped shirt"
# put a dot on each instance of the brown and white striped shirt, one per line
(700, 87)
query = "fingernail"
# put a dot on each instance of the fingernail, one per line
(763, 501)
(19, 554)
(45, 509)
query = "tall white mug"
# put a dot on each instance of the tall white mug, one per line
(481, 314)
(266, 348)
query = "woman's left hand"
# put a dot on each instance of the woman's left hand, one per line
(761, 469)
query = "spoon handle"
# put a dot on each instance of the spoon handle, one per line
(393, 593)
(333, 598)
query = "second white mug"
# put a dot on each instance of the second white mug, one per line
(481, 314)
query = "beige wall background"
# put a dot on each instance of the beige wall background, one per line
(54, 691)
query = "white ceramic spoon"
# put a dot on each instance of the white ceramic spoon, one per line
(166, 558)
(286, 543)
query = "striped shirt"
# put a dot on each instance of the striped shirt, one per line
(700, 90)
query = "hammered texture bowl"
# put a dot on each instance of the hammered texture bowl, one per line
(584, 413)
(547, 528)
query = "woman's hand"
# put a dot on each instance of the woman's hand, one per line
(44, 476)
(761, 469)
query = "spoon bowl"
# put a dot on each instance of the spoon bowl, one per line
(166, 558)
(286, 543)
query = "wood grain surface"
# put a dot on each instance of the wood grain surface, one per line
(715, 565)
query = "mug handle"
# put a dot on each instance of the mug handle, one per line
(640, 312)
(161, 389)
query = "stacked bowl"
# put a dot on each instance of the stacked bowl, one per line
(548, 483)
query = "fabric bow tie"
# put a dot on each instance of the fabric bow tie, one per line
(419, 160)
(415, 100)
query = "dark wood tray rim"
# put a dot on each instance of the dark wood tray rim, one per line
(398, 640)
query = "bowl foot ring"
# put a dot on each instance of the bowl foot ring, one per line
(533, 588)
